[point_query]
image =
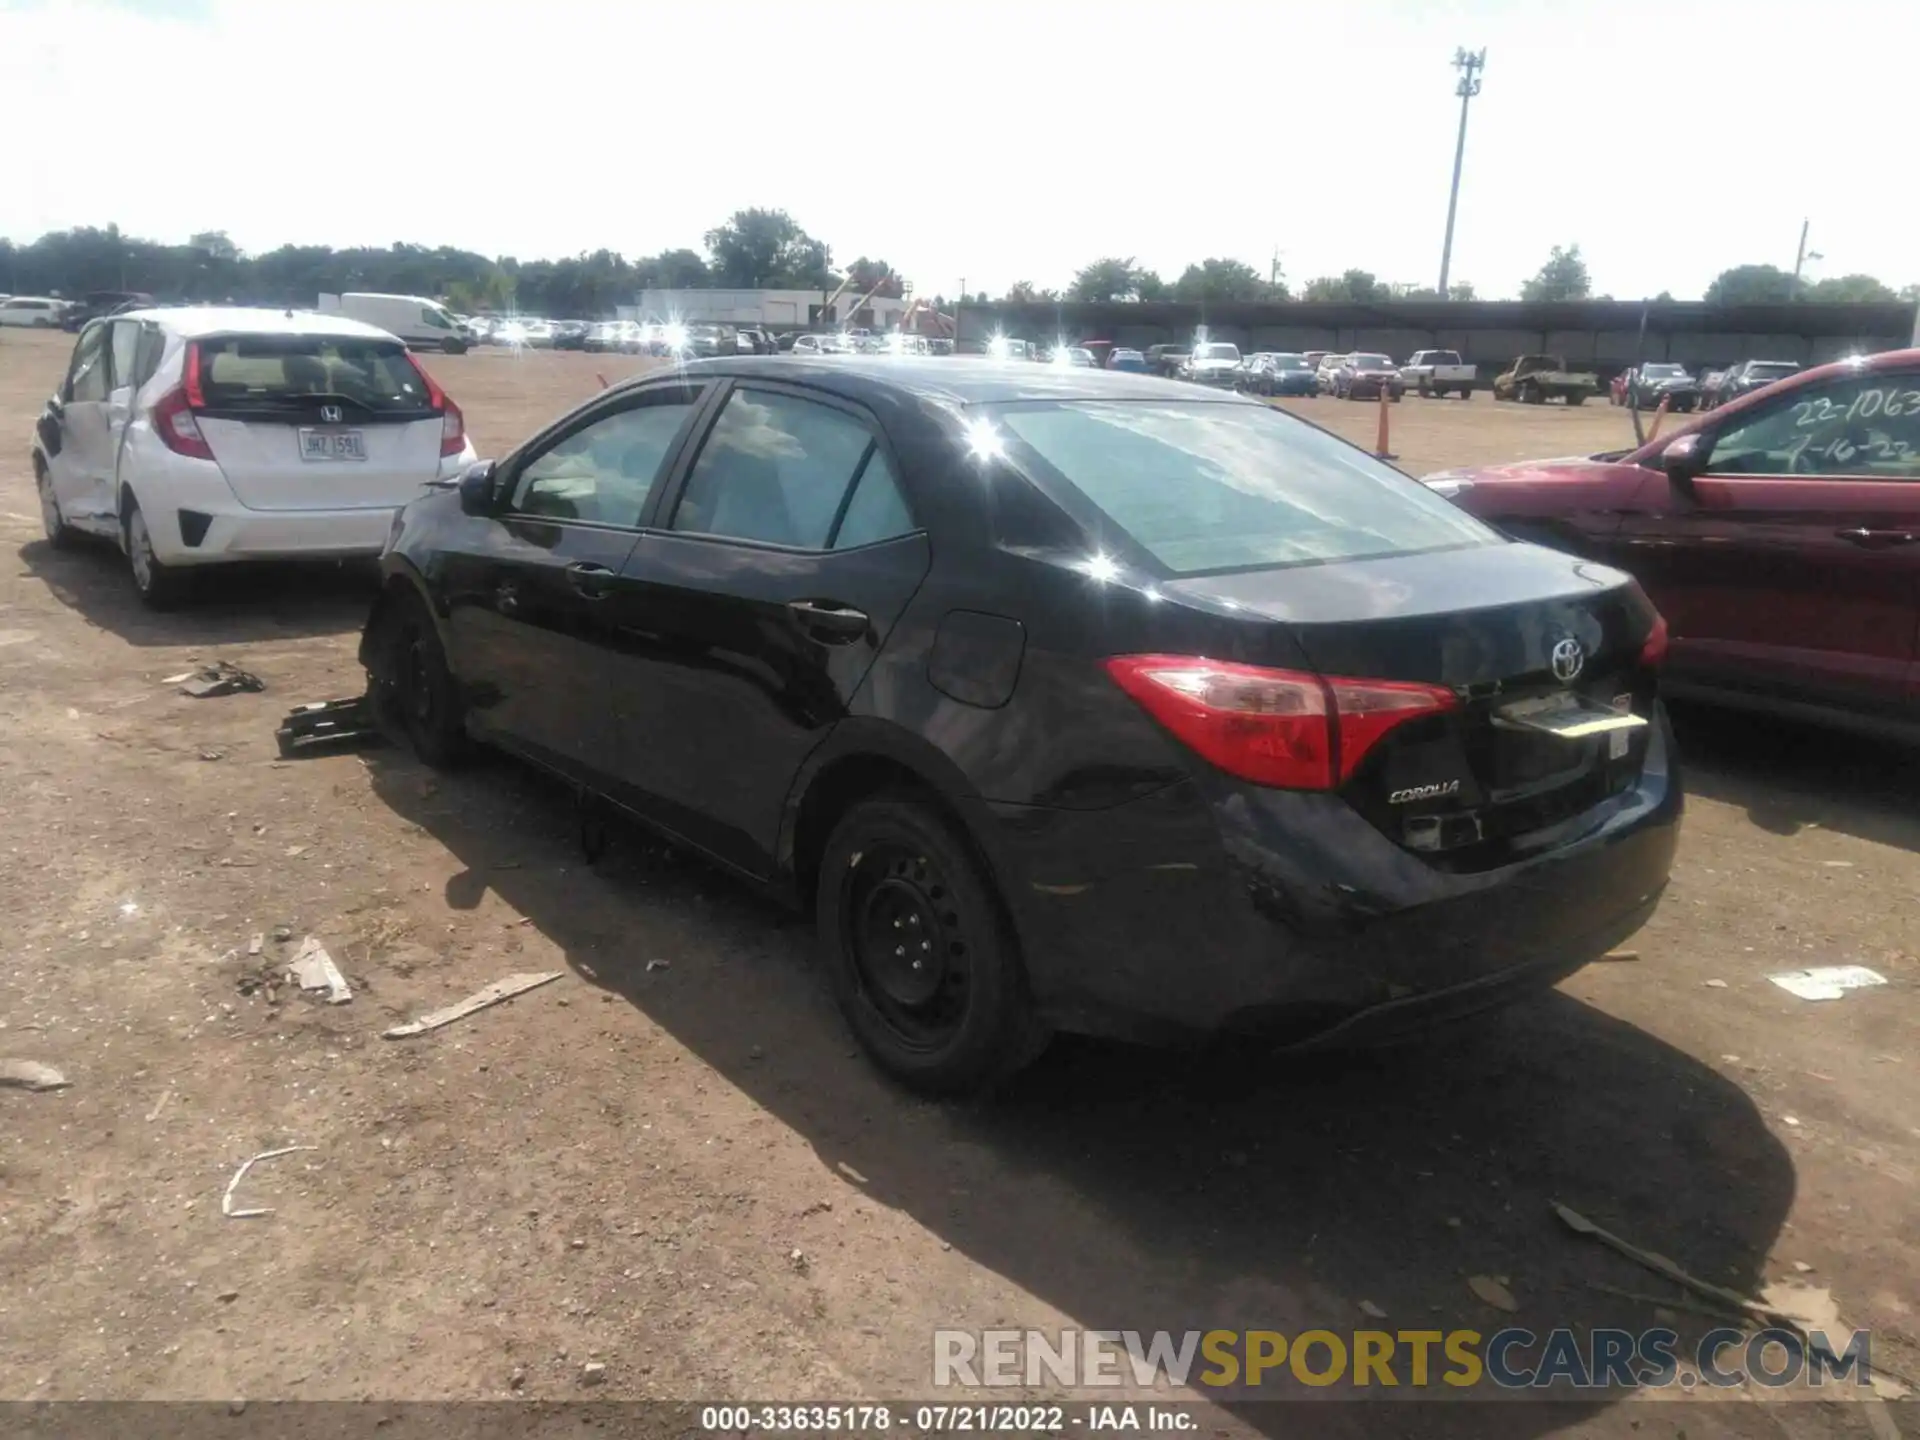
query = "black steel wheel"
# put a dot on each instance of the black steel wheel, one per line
(921, 958)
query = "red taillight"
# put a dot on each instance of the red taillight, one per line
(1653, 654)
(453, 425)
(196, 398)
(1287, 728)
(173, 421)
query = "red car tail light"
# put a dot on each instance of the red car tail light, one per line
(1653, 654)
(453, 424)
(173, 422)
(1290, 729)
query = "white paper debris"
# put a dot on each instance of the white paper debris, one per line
(1827, 982)
(313, 969)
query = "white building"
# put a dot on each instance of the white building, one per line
(775, 309)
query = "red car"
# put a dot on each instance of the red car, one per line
(1779, 535)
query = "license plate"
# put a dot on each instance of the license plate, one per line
(1565, 716)
(328, 445)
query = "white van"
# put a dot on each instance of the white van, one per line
(423, 324)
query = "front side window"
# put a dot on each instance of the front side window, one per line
(604, 472)
(1857, 425)
(436, 318)
(126, 354)
(87, 377)
(775, 468)
(1221, 487)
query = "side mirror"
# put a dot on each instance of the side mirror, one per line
(1683, 459)
(477, 489)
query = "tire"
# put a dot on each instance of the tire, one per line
(1466, 392)
(1423, 390)
(1576, 397)
(451, 346)
(894, 864)
(160, 587)
(1532, 395)
(60, 535)
(414, 692)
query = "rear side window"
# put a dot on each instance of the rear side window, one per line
(1220, 487)
(777, 469)
(237, 371)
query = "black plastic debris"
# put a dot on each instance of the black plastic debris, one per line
(221, 678)
(329, 724)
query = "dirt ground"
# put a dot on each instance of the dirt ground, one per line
(682, 1170)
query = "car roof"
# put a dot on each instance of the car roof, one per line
(957, 379)
(194, 322)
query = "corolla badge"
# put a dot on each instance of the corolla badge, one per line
(1568, 658)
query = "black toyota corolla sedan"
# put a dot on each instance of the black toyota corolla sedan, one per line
(1067, 699)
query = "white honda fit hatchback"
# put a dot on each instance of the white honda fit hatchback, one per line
(199, 437)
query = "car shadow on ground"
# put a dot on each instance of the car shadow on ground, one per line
(1229, 1189)
(1789, 776)
(231, 606)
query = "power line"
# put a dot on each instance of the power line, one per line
(1469, 63)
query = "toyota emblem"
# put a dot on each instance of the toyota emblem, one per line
(332, 415)
(1568, 657)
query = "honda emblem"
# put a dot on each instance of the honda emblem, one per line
(331, 415)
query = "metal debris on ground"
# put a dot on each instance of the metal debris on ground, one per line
(180, 679)
(500, 990)
(329, 724)
(1493, 1292)
(1661, 1265)
(653, 965)
(256, 944)
(1621, 955)
(220, 678)
(159, 1105)
(226, 1199)
(31, 1075)
(1827, 982)
(312, 968)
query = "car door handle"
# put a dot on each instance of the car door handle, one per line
(1876, 539)
(589, 579)
(829, 622)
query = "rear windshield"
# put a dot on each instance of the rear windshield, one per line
(1217, 352)
(1372, 362)
(1663, 372)
(1771, 370)
(1290, 362)
(1222, 487)
(374, 375)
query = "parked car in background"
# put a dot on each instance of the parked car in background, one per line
(1133, 362)
(821, 345)
(603, 337)
(1276, 373)
(96, 303)
(753, 341)
(1076, 355)
(1645, 386)
(203, 436)
(1778, 534)
(1313, 359)
(1536, 379)
(1212, 363)
(940, 345)
(570, 334)
(709, 340)
(1366, 376)
(1167, 359)
(35, 312)
(1439, 372)
(1751, 375)
(424, 324)
(1326, 372)
(1333, 757)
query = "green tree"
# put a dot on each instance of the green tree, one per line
(1909, 294)
(1356, 286)
(1108, 278)
(868, 274)
(1563, 277)
(766, 250)
(1461, 290)
(1750, 285)
(1021, 292)
(1855, 289)
(1218, 279)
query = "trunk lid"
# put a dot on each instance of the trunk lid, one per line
(316, 421)
(1466, 786)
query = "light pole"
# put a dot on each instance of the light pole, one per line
(1800, 258)
(1469, 63)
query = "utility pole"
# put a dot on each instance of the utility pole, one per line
(1800, 262)
(1469, 63)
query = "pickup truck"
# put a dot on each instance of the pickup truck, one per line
(1536, 379)
(1435, 372)
(1167, 359)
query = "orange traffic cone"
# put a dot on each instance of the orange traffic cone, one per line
(1659, 414)
(1380, 450)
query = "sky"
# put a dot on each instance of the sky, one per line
(987, 141)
